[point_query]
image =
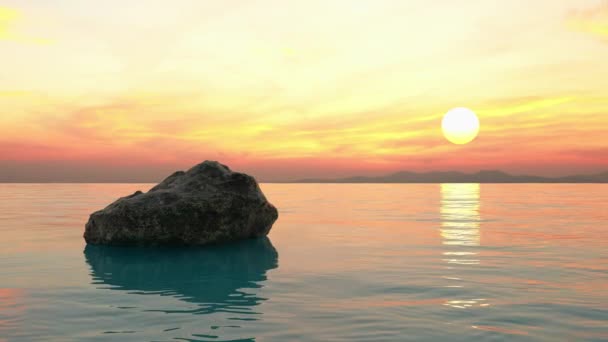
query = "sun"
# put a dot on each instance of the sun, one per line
(460, 125)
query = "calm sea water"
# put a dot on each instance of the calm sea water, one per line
(364, 262)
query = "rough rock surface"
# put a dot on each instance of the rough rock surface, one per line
(207, 204)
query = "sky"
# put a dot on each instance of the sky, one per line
(283, 90)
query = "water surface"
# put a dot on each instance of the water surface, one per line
(344, 262)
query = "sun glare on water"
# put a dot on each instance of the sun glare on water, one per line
(460, 125)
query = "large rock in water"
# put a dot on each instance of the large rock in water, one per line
(207, 204)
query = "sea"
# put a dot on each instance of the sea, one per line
(344, 262)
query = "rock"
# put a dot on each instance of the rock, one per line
(208, 204)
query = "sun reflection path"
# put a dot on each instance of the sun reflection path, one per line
(460, 216)
(460, 223)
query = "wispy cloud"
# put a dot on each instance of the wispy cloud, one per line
(10, 19)
(592, 20)
(14, 93)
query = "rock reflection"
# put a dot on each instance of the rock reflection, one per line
(213, 277)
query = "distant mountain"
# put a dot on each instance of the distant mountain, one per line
(487, 176)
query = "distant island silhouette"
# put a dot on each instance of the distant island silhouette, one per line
(486, 176)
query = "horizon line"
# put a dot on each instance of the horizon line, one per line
(358, 179)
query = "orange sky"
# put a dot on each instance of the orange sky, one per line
(294, 89)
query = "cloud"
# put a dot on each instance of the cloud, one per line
(7, 17)
(511, 106)
(163, 132)
(14, 93)
(9, 20)
(595, 154)
(593, 21)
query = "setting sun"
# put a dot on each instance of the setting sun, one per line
(460, 125)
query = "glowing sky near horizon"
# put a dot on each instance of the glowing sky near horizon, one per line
(293, 89)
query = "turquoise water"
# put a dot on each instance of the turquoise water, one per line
(344, 262)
